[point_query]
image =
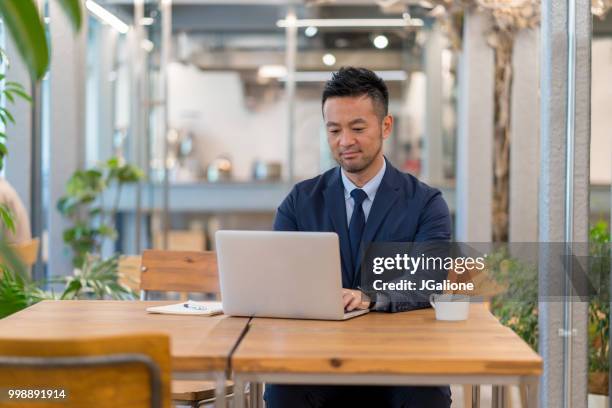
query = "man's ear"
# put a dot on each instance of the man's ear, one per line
(387, 126)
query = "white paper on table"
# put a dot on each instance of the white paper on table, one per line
(194, 308)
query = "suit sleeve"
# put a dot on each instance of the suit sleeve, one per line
(285, 219)
(434, 231)
(435, 221)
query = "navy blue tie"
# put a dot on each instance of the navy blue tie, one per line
(357, 224)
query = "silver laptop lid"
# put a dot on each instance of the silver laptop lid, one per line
(280, 274)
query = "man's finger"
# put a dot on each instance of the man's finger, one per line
(355, 302)
(347, 298)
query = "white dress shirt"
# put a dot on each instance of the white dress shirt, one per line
(370, 188)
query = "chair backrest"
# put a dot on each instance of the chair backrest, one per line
(179, 271)
(121, 371)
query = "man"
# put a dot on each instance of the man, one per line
(364, 200)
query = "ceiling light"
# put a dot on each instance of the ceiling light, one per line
(107, 17)
(381, 41)
(351, 22)
(272, 71)
(329, 59)
(147, 21)
(311, 31)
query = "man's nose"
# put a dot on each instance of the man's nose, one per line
(346, 139)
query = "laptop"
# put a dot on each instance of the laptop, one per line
(293, 275)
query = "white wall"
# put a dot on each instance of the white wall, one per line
(601, 111)
(211, 104)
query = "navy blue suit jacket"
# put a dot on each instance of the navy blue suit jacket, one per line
(404, 210)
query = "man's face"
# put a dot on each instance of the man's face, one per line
(355, 132)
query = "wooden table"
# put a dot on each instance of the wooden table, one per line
(200, 346)
(410, 348)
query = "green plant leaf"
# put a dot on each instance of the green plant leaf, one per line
(12, 84)
(9, 96)
(72, 8)
(20, 93)
(130, 174)
(72, 290)
(6, 215)
(27, 30)
(97, 278)
(95, 211)
(13, 297)
(8, 114)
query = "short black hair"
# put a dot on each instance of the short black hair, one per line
(353, 81)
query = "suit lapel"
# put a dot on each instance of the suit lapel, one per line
(386, 196)
(336, 207)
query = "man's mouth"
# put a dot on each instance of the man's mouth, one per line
(349, 155)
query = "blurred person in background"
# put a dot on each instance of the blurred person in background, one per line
(10, 198)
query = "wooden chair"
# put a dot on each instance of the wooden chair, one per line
(179, 271)
(121, 371)
(183, 271)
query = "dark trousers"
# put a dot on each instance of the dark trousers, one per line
(356, 396)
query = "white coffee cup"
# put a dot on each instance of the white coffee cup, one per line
(449, 306)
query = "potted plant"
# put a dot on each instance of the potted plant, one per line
(518, 308)
(84, 205)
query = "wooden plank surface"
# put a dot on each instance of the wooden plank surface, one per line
(382, 343)
(198, 343)
(180, 271)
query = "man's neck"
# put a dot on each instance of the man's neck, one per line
(361, 178)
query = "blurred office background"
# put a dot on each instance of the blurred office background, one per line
(218, 102)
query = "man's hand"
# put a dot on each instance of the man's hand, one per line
(355, 299)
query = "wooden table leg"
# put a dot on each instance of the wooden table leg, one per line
(467, 395)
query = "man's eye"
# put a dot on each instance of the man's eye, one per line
(358, 129)
(333, 131)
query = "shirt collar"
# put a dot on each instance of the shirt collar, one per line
(370, 187)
